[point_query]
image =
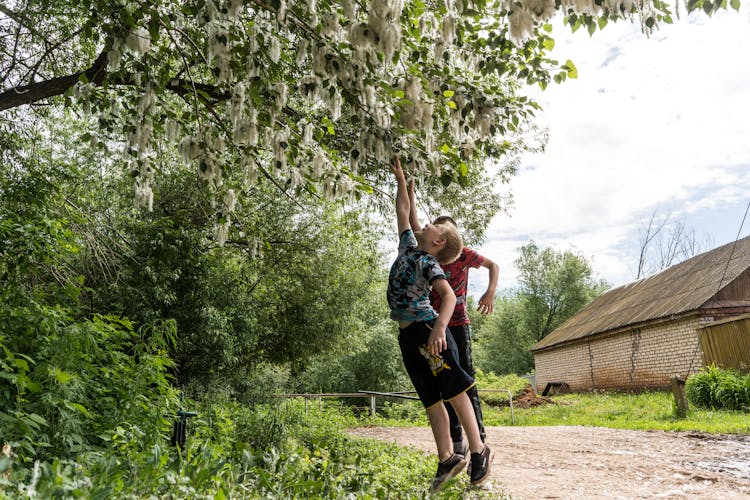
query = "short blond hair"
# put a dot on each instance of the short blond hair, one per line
(453, 244)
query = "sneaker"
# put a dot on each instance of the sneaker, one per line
(480, 466)
(448, 469)
(461, 448)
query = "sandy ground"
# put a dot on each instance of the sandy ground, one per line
(591, 462)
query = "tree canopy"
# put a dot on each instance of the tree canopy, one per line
(307, 95)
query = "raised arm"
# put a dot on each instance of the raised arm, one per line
(413, 217)
(487, 302)
(402, 195)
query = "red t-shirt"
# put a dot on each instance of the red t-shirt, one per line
(457, 273)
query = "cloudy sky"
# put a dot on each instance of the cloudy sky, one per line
(651, 124)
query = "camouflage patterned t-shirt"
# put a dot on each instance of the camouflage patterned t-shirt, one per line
(410, 281)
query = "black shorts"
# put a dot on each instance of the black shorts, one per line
(435, 378)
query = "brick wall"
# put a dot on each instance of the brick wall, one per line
(644, 357)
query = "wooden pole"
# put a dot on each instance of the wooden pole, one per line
(678, 390)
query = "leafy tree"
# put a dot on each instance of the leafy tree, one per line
(307, 96)
(369, 358)
(553, 286)
(504, 340)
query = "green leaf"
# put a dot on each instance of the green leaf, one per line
(448, 93)
(79, 407)
(445, 148)
(331, 130)
(548, 43)
(735, 4)
(572, 71)
(602, 22)
(451, 104)
(463, 169)
(61, 376)
(446, 180)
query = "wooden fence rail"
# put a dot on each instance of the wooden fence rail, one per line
(373, 395)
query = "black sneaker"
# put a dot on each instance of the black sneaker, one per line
(448, 469)
(480, 466)
(461, 448)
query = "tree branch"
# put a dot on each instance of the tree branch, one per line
(34, 92)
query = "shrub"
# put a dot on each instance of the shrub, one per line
(714, 388)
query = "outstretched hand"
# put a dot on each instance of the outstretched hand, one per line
(486, 303)
(395, 165)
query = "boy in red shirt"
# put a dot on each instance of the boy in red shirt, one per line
(457, 273)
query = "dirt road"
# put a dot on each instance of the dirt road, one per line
(598, 463)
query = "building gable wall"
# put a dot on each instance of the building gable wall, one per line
(635, 358)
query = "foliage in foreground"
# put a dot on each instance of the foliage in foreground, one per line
(241, 452)
(717, 389)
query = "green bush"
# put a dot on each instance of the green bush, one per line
(714, 388)
(75, 385)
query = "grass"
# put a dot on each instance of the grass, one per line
(644, 411)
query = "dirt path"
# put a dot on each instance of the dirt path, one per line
(592, 462)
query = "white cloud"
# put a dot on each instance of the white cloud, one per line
(651, 123)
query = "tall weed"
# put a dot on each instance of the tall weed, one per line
(718, 389)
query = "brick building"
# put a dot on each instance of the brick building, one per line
(670, 324)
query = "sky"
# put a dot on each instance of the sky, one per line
(657, 124)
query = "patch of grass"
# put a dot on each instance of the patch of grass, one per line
(644, 411)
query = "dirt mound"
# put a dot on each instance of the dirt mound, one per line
(529, 399)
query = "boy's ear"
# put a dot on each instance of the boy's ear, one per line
(440, 242)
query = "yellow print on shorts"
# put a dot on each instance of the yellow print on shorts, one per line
(437, 363)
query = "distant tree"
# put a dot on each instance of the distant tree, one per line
(503, 340)
(664, 243)
(553, 286)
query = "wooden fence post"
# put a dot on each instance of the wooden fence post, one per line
(678, 390)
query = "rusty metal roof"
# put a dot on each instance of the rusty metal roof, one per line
(679, 289)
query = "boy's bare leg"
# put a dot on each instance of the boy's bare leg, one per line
(440, 424)
(465, 412)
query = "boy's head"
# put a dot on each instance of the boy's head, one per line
(442, 241)
(443, 219)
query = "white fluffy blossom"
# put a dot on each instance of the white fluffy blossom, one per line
(114, 56)
(301, 54)
(144, 195)
(236, 105)
(331, 26)
(521, 23)
(307, 133)
(449, 29)
(138, 40)
(234, 8)
(335, 105)
(280, 146)
(281, 92)
(275, 51)
(190, 148)
(350, 9)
